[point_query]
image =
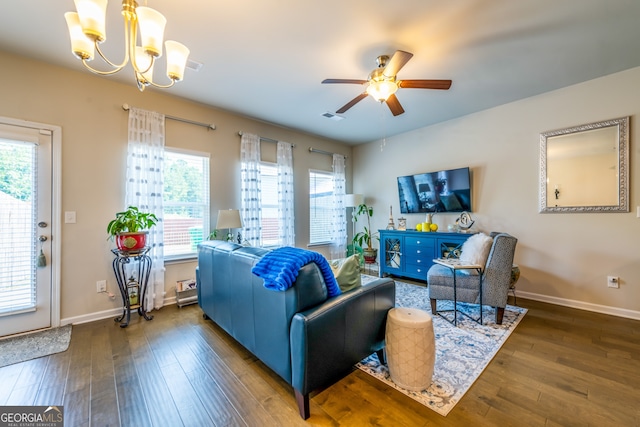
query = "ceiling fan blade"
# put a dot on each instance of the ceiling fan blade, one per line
(353, 102)
(350, 81)
(397, 61)
(394, 105)
(425, 84)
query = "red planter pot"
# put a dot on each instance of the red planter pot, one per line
(131, 241)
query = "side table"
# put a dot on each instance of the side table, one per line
(455, 265)
(411, 347)
(132, 299)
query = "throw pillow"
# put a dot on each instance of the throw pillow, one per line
(347, 272)
(475, 250)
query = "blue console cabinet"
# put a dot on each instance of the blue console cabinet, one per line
(410, 253)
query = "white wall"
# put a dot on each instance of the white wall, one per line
(564, 258)
(94, 144)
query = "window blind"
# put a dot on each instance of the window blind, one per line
(17, 226)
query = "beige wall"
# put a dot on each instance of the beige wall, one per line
(564, 258)
(94, 142)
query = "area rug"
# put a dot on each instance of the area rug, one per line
(462, 352)
(38, 344)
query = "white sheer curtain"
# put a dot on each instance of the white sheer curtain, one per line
(144, 187)
(338, 214)
(250, 188)
(286, 216)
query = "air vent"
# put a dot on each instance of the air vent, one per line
(332, 116)
(194, 65)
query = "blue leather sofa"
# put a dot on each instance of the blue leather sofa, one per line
(308, 339)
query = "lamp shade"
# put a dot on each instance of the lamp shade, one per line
(81, 45)
(381, 90)
(229, 218)
(151, 23)
(353, 200)
(92, 16)
(145, 64)
(177, 55)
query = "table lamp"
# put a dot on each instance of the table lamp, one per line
(229, 219)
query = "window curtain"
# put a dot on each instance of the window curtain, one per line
(144, 187)
(338, 214)
(286, 216)
(250, 188)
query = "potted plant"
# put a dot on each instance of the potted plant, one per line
(365, 237)
(130, 228)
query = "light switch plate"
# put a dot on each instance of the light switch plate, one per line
(70, 217)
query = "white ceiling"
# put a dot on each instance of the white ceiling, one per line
(265, 59)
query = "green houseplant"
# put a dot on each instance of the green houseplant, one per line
(366, 236)
(130, 228)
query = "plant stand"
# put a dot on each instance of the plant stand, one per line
(143, 267)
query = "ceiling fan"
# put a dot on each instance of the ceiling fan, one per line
(382, 83)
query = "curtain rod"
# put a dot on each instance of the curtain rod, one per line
(211, 126)
(315, 150)
(262, 138)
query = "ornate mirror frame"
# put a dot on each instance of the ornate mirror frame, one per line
(573, 136)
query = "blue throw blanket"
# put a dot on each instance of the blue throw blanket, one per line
(279, 268)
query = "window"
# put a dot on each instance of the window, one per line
(320, 206)
(269, 203)
(186, 202)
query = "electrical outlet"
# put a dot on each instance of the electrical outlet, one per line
(101, 286)
(613, 281)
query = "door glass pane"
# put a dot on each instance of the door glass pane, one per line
(17, 212)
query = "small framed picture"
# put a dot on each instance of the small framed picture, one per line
(402, 224)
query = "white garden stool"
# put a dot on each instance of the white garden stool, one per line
(411, 348)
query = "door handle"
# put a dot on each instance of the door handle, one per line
(42, 238)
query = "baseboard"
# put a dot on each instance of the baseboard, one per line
(604, 309)
(99, 315)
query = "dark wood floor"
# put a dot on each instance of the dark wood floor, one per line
(561, 367)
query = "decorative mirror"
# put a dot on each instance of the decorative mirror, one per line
(585, 168)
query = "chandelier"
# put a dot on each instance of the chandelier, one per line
(87, 32)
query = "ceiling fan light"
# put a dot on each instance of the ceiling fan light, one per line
(151, 23)
(92, 15)
(177, 55)
(381, 90)
(81, 46)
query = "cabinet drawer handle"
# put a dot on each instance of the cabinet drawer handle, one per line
(419, 271)
(418, 242)
(419, 261)
(418, 251)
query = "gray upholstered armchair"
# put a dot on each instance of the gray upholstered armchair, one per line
(496, 278)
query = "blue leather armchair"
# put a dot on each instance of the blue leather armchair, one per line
(308, 339)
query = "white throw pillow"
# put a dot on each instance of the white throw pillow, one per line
(475, 250)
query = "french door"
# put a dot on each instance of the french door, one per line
(27, 298)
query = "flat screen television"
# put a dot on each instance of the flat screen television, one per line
(442, 191)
